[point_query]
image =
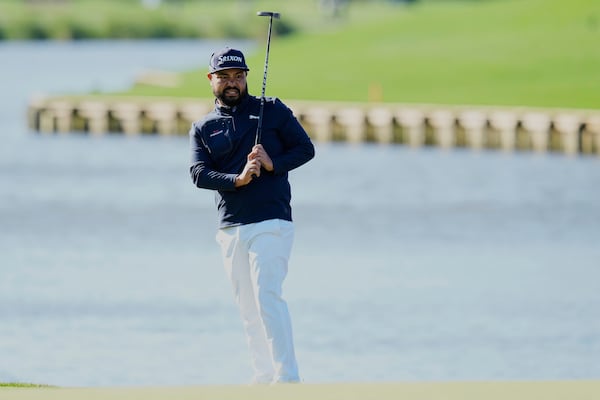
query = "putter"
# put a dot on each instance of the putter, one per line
(271, 15)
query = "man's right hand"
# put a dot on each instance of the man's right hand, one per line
(251, 169)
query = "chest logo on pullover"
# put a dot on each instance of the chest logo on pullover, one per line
(253, 116)
(215, 133)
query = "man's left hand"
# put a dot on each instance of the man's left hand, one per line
(259, 153)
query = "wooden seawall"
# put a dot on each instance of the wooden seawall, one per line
(557, 130)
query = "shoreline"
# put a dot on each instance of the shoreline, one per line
(566, 131)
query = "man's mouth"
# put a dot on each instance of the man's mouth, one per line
(231, 92)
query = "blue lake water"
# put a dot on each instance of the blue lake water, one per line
(408, 264)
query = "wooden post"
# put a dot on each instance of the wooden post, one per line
(538, 126)
(34, 109)
(412, 122)
(442, 122)
(319, 119)
(96, 113)
(63, 112)
(505, 122)
(382, 121)
(164, 114)
(128, 115)
(592, 125)
(353, 122)
(474, 123)
(46, 124)
(568, 125)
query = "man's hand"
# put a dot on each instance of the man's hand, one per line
(257, 158)
(258, 153)
(252, 168)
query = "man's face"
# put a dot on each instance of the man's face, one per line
(229, 86)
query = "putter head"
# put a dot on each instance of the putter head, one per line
(268, 14)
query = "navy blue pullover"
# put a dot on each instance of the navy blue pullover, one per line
(220, 144)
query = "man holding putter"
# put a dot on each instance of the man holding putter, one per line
(243, 151)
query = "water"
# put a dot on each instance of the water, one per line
(408, 264)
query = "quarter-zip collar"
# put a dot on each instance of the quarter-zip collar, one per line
(226, 110)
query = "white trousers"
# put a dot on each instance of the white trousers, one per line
(256, 261)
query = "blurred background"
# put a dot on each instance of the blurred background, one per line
(410, 264)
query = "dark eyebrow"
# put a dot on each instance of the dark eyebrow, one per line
(226, 74)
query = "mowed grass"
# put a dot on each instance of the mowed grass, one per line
(129, 19)
(546, 390)
(542, 53)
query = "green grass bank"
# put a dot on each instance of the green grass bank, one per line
(130, 19)
(21, 385)
(540, 53)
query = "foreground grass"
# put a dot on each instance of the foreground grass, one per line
(549, 390)
(120, 19)
(499, 52)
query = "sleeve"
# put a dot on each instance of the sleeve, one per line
(298, 147)
(202, 168)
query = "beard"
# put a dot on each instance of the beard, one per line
(231, 96)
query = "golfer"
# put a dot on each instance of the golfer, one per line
(253, 201)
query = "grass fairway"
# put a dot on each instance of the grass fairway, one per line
(542, 53)
(571, 390)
